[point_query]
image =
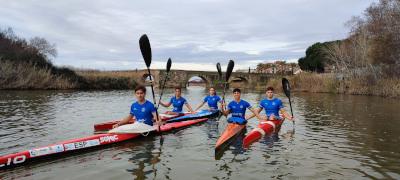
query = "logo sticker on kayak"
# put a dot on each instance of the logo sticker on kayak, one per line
(81, 144)
(108, 139)
(46, 150)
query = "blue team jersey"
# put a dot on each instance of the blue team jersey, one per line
(177, 104)
(238, 109)
(271, 106)
(212, 101)
(143, 112)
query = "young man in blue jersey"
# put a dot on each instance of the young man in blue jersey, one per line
(212, 100)
(237, 108)
(177, 102)
(272, 106)
(142, 110)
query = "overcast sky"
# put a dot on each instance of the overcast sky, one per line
(103, 34)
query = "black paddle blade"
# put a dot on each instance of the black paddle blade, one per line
(286, 86)
(229, 69)
(169, 64)
(145, 49)
(219, 69)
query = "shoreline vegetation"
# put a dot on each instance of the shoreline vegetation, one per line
(26, 65)
(367, 62)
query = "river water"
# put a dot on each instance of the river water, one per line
(335, 137)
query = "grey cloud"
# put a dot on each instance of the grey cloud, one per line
(87, 32)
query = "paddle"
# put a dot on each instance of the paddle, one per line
(145, 48)
(286, 89)
(229, 70)
(165, 80)
(219, 71)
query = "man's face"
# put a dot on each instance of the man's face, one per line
(212, 91)
(236, 95)
(140, 95)
(269, 93)
(177, 92)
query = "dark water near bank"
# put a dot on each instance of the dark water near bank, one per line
(336, 137)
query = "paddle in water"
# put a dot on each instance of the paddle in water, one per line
(145, 48)
(286, 89)
(169, 63)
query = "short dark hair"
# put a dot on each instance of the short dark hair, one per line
(177, 87)
(270, 88)
(140, 87)
(236, 90)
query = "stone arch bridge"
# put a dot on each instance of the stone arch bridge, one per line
(211, 79)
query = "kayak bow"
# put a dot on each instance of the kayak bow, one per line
(231, 131)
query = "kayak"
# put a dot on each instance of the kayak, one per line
(108, 125)
(200, 114)
(74, 145)
(231, 131)
(164, 117)
(265, 128)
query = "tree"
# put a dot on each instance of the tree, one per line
(43, 47)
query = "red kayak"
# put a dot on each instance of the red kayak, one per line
(231, 130)
(265, 128)
(79, 144)
(108, 125)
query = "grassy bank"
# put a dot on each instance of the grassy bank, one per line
(107, 79)
(336, 83)
(29, 76)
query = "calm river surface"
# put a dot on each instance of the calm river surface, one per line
(336, 137)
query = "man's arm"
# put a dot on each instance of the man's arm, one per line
(165, 104)
(258, 110)
(201, 105)
(189, 107)
(123, 121)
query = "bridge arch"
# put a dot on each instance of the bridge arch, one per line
(238, 82)
(207, 80)
(203, 82)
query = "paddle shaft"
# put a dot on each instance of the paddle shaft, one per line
(291, 110)
(162, 89)
(154, 97)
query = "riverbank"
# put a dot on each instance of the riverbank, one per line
(27, 76)
(340, 84)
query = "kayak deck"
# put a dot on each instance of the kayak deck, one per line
(231, 131)
(104, 127)
(74, 145)
(265, 128)
(108, 125)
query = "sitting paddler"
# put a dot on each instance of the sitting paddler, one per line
(272, 107)
(237, 108)
(177, 102)
(212, 100)
(142, 110)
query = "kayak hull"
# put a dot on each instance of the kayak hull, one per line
(75, 145)
(265, 128)
(231, 131)
(201, 114)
